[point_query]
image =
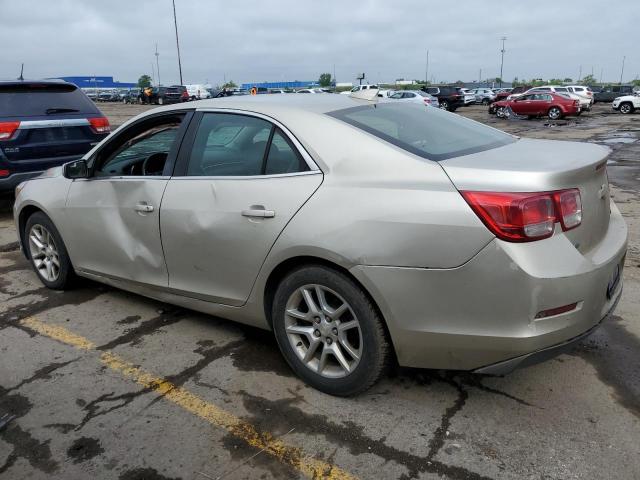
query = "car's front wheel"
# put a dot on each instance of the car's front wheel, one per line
(47, 252)
(485, 101)
(444, 105)
(329, 331)
(626, 108)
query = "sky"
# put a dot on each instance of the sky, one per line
(281, 40)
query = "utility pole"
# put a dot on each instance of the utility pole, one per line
(175, 23)
(21, 77)
(504, 38)
(158, 65)
(580, 74)
(426, 73)
(480, 76)
(153, 73)
(334, 73)
(622, 71)
(601, 73)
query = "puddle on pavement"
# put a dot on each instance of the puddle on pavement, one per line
(618, 137)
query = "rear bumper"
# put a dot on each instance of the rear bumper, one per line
(502, 368)
(485, 312)
(8, 184)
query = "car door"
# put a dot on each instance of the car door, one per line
(522, 104)
(240, 178)
(114, 214)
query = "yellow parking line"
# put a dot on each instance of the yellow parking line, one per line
(287, 454)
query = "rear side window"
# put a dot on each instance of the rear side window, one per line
(430, 133)
(240, 146)
(38, 99)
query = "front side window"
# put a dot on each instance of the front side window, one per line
(239, 145)
(431, 133)
(143, 150)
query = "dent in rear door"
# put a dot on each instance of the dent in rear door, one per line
(214, 251)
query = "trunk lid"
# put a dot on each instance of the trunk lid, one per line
(539, 166)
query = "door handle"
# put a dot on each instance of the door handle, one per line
(144, 208)
(258, 211)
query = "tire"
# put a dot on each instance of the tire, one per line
(366, 337)
(554, 113)
(40, 229)
(160, 101)
(444, 105)
(579, 113)
(626, 108)
(485, 101)
(501, 112)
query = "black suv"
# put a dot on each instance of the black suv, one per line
(610, 93)
(43, 124)
(172, 94)
(450, 98)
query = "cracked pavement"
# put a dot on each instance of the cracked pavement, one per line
(65, 413)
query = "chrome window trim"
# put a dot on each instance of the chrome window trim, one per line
(247, 177)
(67, 122)
(123, 177)
(303, 152)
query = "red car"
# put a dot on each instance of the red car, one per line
(537, 105)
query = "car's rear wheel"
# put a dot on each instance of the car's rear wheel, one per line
(501, 112)
(626, 108)
(329, 331)
(485, 101)
(555, 113)
(444, 105)
(47, 252)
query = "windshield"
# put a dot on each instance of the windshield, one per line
(431, 133)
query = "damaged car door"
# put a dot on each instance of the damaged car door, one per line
(114, 213)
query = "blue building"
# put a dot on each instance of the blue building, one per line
(97, 82)
(285, 85)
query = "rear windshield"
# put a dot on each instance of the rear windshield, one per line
(427, 132)
(27, 100)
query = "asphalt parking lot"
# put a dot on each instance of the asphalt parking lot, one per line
(101, 383)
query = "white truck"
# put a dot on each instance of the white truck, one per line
(197, 91)
(627, 104)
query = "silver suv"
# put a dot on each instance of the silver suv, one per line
(485, 96)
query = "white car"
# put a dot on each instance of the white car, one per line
(485, 96)
(585, 94)
(627, 104)
(311, 90)
(359, 88)
(198, 91)
(469, 96)
(415, 96)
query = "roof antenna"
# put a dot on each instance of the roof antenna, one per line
(21, 78)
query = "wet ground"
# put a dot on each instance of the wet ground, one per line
(100, 383)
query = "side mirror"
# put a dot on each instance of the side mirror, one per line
(76, 169)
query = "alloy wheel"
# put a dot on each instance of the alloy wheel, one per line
(323, 331)
(625, 108)
(554, 113)
(44, 253)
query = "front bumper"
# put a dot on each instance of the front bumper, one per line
(484, 312)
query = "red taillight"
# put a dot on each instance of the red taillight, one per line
(7, 129)
(524, 217)
(100, 124)
(427, 101)
(4, 173)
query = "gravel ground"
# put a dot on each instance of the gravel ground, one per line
(101, 383)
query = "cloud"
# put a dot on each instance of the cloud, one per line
(292, 40)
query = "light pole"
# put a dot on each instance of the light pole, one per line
(622, 71)
(504, 38)
(426, 76)
(158, 65)
(175, 23)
